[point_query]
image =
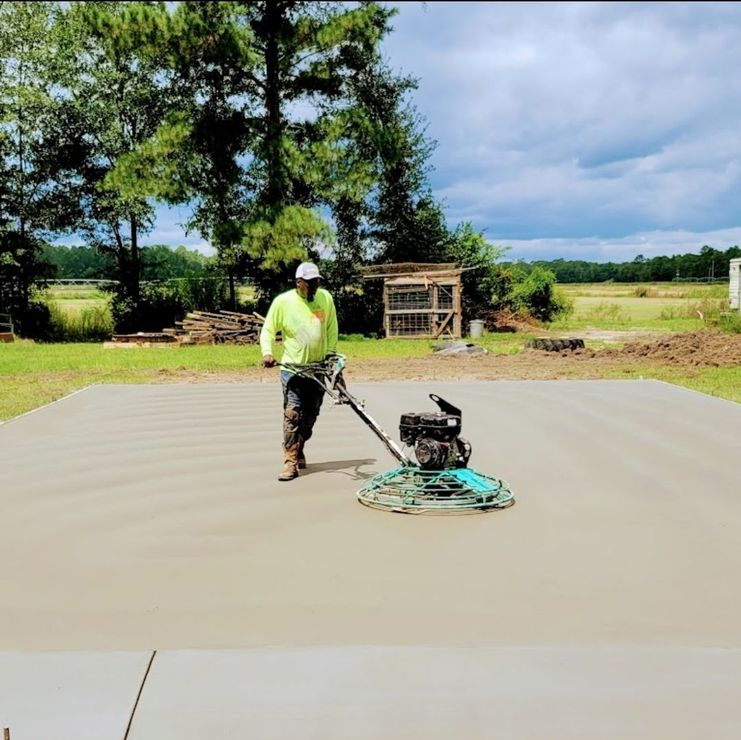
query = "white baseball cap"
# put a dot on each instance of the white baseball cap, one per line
(307, 271)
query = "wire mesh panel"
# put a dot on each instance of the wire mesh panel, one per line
(416, 308)
(445, 298)
(410, 324)
(403, 298)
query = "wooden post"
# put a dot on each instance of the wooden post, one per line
(434, 323)
(457, 321)
(386, 317)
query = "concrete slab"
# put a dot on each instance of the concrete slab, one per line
(399, 693)
(69, 696)
(140, 517)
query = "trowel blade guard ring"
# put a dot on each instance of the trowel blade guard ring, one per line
(412, 490)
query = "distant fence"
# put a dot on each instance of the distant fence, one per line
(110, 281)
(81, 281)
(716, 279)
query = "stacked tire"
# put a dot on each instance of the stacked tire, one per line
(555, 345)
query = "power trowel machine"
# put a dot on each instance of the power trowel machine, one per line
(437, 480)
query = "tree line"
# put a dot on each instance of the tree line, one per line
(709, 264)
(161, 262)
(158, 262)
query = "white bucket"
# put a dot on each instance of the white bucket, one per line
(476, 328)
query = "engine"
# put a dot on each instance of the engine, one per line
(435, 437)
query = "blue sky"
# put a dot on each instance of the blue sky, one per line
(594, 131)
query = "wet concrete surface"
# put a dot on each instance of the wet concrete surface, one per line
(139, 518)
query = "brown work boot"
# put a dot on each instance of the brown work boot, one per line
(301, 464)
(290, 464)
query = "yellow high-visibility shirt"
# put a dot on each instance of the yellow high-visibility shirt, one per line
(309, 328)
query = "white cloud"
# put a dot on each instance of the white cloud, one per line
(567, 120)
(598, 130)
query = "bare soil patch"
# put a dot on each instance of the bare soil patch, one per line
(692, 349)
(687, 350)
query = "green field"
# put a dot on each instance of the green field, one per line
(32, 374)
(652, 306)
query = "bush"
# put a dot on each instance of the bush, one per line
(730, 322)
(33, 321)
(160, 305)
(537, 294)
(360, 308)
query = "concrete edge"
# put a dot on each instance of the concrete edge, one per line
(692, 390)
(47, 405)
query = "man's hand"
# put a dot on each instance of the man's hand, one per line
(268, 361)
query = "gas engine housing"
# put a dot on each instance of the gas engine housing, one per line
(435, 436)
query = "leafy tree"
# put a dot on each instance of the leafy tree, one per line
(110, 101)
(261, 140)
(478, 258)
(25, 195)
(395, 214)
(388, 213)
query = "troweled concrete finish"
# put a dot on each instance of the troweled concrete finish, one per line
(69, 696)
(149, 517)
(367, 693)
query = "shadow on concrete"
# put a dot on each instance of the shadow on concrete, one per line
(350, 468)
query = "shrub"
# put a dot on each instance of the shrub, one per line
(33, 321)
(730, 321)
(360, 308)
(537, 294)
(160, 305)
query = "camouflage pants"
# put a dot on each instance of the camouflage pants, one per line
(302, 400)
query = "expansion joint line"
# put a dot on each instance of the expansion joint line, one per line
(139, 694)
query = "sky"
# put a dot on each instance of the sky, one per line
(579, 130)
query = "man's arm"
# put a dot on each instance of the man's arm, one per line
(332, 327)
(267, 334)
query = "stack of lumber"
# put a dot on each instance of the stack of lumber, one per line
(146, 338)
(224, 327)
(202, 327)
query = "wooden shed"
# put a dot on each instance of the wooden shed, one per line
(420, 300)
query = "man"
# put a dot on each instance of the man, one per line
(307, 320)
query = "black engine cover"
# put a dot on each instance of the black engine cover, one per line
(433, 425)
(435, 436)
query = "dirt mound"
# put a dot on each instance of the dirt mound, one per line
(507, 321)
(693, 349)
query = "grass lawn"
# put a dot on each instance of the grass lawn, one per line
(32, 375)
